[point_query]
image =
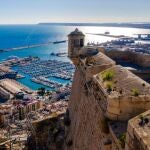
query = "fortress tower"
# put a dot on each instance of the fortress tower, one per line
(75, 43)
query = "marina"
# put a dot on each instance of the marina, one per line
(45, 72)
(46, 82)
(47, 68)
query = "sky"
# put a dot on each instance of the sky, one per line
(91, 11)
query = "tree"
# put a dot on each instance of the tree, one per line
(41, 91)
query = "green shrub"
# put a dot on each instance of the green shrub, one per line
(135, 92)
(41, 91)
(107, 75)
(143, 121)
(122, 139)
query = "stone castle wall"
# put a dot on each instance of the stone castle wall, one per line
(127, 107)
(137, 136)
(90, 112)
(88, 129)
(99, 113)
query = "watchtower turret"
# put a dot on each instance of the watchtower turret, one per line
(75, 43)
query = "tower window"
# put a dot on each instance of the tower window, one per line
(81, 42)
(75, 42)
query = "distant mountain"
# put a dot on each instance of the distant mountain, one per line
(129, 25)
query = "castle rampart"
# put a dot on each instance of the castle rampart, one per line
(104, 97)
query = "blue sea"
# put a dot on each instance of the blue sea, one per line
(12, 36)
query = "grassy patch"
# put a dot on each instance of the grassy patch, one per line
(135, 92)
(108, 75)
(122, 139)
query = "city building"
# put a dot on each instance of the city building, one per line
(14, 87)
(4, 95)
(25, 107)
(5, 72)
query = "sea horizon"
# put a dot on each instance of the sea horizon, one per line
(144, 25)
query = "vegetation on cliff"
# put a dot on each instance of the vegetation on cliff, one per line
(108, 75)
(135, 92)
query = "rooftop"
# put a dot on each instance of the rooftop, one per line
(119, 81)
(13, 86)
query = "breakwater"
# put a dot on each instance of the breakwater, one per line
(109, 35)
(32, 46)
